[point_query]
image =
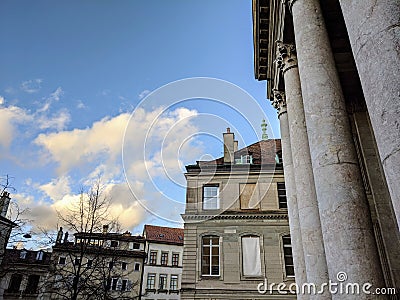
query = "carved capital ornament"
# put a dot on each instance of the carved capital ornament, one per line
(286, 57)
(279, 101)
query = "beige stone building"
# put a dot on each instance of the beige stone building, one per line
(24, 274)
(103, 265)
(333, 72)
(236, 225)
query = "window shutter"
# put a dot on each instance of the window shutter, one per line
(251, 256)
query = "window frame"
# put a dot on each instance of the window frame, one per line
(164, 276)
(175, 259)
(136, 269)
(260, 255)
(171, 286)
(59, 260)
(151, 257)
(204, 197)
(153, 281)
(164, 258)
(210, 247)
(284, 256)
(279, 186)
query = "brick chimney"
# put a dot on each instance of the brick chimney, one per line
(4, 203)
(229, 146)
(105, 229)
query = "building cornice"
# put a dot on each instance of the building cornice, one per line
(247, 216)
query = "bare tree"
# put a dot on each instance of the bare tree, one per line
(95, 264)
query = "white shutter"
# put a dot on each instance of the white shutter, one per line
(251, 256)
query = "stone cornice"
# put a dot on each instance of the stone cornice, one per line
(235, 217)
(286, 56)
(279, 101)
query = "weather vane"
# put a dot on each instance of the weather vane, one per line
(264, 130)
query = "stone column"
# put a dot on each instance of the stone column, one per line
(297, 246)
(310, 224)
(345, 219)
(374, 32)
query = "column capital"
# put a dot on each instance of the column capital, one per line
(289, 3)
(279, 101)
(286, 56)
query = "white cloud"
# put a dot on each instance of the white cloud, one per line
(31, 86)
(10, 117)
(48, 101)
(57, 188)
(80, 105)
(57, 120)
(143, 94)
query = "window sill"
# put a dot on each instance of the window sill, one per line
(210, 277)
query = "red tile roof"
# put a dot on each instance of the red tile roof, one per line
(263, 152)
(163, 234)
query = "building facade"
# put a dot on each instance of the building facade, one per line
(100, 265)
(6, 225)
(333, 71)
(163, 268)
(236, 225)
(24, 274)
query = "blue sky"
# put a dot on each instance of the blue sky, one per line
(72, 72)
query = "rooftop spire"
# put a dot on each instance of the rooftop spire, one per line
(264, 130)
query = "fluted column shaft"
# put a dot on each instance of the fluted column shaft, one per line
(295, 234)
(346, 226)
(374, 32)
(310, 224)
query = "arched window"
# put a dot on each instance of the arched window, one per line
(210, 256)
(251, 255)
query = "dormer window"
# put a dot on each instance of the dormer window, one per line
(244, 160)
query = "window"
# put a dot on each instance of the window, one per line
(288, 256)
(133, 245)
(282, 195)
(62, 260)
(114, 283)
(175, 259)
(137, 267)
(77, 261)
(151, 281)
(251, 256)
(174, 282)
(210, 197)
(278, 157)
(124, 266)
(40, 255)
(164, 258)
(162, 284)
(153, 257)
(89, 263)
(22, 255)
(32, 285)
(126, 285)
(210, 256)
(248, 197)
(15, 283)
(114, 244)
(244, 159)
